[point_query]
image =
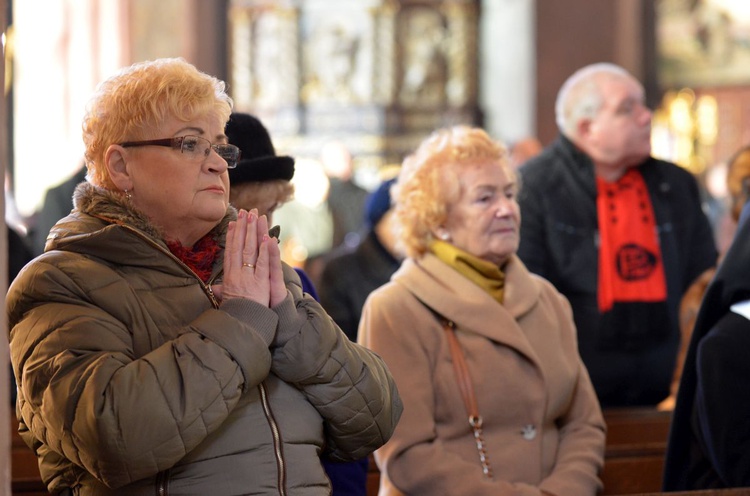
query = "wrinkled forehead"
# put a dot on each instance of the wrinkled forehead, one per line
(485, 174)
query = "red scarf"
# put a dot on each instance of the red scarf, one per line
(200, 258)
(630, 263)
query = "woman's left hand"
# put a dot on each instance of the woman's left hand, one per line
(252, 262)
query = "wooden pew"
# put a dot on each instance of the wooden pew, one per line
(706, 492)
(24, 470)
(635, 449)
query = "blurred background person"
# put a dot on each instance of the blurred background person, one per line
(463, 298)
(621, 234)
(19, 253)
(346, 199)
(306, 221)
(160, 344)
(350, 274)
(738, 183)
(523, 150)
(58, 202)
(262, 180)
(715, 197)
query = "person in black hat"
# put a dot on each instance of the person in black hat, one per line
(262, 180)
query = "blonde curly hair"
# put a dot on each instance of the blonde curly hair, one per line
(137, 99)
(428, 183)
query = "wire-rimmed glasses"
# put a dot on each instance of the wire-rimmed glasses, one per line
(194, 147)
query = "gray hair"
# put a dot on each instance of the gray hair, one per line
(580, 96)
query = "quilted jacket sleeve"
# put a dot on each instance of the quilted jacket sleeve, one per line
(349, 385)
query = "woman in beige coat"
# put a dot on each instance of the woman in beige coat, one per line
(538, 426)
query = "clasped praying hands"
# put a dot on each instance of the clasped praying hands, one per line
(252, 262)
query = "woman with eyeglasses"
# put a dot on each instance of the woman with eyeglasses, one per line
(160, 345)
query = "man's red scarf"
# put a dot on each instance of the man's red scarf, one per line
(630, 262)
(200, 257)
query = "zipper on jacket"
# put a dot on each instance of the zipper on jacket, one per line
(162, 483)
(276, 438)
(210, 292)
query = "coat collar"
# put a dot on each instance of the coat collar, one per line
(581, 166)
(577, 162)
(455, 297)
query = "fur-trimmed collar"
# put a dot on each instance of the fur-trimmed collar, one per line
(114, 207)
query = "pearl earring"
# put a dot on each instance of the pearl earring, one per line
(445, 236)
(128, 195)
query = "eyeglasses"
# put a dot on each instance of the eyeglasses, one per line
(194, 147)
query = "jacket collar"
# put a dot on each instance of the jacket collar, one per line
(455, 297)
(104, 224)
(578, 162)
(582, 167)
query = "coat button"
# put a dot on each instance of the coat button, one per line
(528, 432)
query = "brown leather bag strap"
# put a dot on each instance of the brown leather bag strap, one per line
(461, 370)
(467, 392)
(466, 387)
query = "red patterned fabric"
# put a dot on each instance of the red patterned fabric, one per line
(630, 263)
(200, 258)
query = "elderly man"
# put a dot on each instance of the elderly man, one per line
(621, 234)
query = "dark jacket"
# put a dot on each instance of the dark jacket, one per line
(349, 277)
(709, 440)
(346, 200)
(58, 202)
(630, 358)
(133, 379)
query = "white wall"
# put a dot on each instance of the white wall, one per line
(59, 59)
(507, 70)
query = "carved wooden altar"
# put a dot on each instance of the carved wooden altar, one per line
(379, 75)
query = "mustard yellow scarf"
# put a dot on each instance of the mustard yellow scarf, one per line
(486, 275)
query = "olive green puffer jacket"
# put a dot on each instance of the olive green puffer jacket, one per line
(134, 380)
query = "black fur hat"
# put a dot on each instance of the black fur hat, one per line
(258, 161)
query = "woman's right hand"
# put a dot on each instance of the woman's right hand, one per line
(252, 265)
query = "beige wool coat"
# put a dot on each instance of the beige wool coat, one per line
(543, 426)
